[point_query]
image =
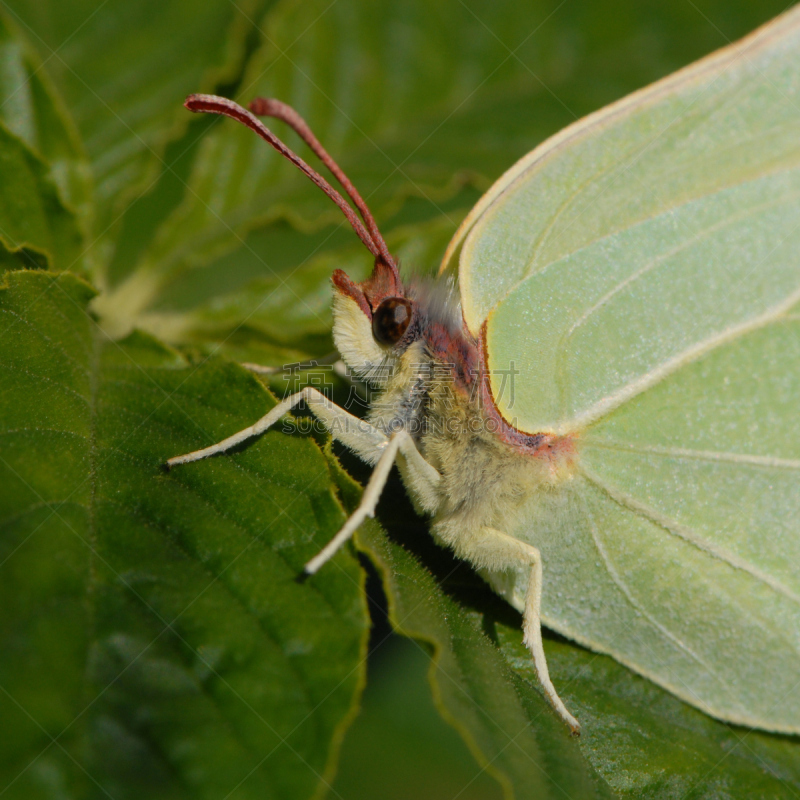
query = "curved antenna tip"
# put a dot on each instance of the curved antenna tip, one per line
(370, 236)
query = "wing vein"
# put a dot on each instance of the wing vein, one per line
(623, 587)
(689, 536)
(658, 260)
(690, 354)
(769, 462)
(617, 170)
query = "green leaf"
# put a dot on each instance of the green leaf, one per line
(645, 742)
(124, 68)
(399, 746)
(35, 227)
(189, 661)
(44, 207)
(32, 111)
(452, 95)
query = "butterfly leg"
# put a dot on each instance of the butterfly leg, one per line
(362, 438)
(365, 440)
(369, 500)
(421, 479)
(497, 551)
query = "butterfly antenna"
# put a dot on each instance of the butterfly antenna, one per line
(370, 236)
(270, 107)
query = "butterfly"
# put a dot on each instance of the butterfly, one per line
(602, 419)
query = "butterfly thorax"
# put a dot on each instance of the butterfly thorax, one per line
(431, 386)
(484, 479)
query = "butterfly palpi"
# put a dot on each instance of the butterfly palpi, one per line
(604, 418)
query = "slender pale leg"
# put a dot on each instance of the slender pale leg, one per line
(496, 550)
(424, 479)
(420, 478)
(299, 366)
(369, 500)
(362, 438)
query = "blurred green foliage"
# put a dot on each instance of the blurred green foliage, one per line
(154, 640)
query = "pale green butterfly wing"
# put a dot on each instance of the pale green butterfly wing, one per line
(722, 121)
(640, 277)
(675, 547)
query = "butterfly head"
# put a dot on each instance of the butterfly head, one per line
(377, 320)
(373, 321)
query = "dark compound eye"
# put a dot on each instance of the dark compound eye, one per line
(390, 320)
